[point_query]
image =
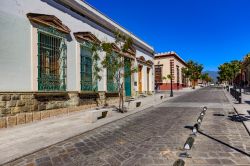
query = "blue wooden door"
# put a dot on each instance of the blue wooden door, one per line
(127, 70)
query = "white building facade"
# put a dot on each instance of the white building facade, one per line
(44, 49)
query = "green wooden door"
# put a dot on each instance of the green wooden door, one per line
(127, 69)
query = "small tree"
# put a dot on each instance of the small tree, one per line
(169, 76)
(185, 74)
(114, 63)
(228, 71)
(193, 71)
(205, 78)
(95, 66)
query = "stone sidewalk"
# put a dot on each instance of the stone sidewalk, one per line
(243, 109)
(221, 141)
(25, 139)
(155, 137)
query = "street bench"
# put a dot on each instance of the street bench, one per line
(133, 104)
(94, 115)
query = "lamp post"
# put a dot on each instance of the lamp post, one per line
(171, 91)
(241, 84)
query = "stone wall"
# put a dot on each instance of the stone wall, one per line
(21, 108)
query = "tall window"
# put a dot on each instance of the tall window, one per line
(178, 73)
(87, 83)
(183, 81)
(51, 62)
(158, 73)
(172, 68)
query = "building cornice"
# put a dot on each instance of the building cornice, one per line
(170, 54)
(92, 13)
(48, 20)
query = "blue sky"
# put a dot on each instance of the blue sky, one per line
(210, 32)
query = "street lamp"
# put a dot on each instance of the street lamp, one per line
(241, 84)
(171, 91)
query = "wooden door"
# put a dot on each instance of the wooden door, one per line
(140, 78)
(148, 70)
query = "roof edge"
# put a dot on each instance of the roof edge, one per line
(97, 15)
(170, 54)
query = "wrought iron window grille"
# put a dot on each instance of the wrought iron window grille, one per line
(52, 59)
(87, 81)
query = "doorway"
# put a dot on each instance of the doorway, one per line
(127, 70)
(148, 71)
(140, 78)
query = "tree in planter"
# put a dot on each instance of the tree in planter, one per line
(170, 77)
(114, 62)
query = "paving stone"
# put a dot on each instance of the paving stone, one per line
(36, 116)
(28, 117)
(21, 118)
(155, 137)
(227, 161)
(11, 121)
(213, 161)
(45, 114)
(2, 122)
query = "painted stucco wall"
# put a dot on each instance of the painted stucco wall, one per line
(147, 56)
(15, 50)
(18, 66)
(165, 62)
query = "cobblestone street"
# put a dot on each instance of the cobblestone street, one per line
(156, 137)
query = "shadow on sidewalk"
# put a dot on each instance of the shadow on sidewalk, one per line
(248, 102)
(236, 149)
(239, 118)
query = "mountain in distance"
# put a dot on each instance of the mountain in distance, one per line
(212, 74)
